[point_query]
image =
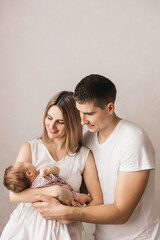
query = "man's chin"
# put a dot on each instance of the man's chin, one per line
(91, 129)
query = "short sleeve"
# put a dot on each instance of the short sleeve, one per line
(137, 153)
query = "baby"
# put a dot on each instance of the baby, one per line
(22, 175)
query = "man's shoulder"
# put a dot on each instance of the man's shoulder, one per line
(135, 134)
(131, 128)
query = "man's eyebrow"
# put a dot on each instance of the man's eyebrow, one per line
(89, 112)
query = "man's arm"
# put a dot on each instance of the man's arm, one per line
(129, 190)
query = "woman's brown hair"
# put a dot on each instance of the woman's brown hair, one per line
(66, 103)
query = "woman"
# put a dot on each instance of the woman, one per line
(60, 144)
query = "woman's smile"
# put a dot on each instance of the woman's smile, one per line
(52, 131)
(54, 123)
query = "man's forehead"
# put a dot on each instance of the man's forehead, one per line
(86, 107)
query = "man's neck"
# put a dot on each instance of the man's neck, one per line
(105, 133)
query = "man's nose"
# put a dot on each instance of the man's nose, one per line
(83, 119)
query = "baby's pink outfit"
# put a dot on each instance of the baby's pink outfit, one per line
(51, 180)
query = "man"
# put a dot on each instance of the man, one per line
(124, 158)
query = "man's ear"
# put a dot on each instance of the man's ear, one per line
(110, 108)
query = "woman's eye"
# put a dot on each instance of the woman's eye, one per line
(60, 122)
(48, 117)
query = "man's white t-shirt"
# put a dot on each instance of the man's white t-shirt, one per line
(127, 149)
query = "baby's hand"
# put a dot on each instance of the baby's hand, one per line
(48, 170)
(82, 198)
(44, 171)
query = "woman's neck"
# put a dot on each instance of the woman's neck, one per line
(57, 149)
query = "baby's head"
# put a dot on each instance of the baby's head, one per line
(19, 176)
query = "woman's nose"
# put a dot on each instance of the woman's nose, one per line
(53, 124)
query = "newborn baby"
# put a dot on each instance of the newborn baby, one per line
(22, 175)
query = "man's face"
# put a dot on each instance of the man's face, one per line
(95, 118)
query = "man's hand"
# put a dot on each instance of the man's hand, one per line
(49, 207)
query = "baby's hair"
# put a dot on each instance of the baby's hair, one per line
(15, 179)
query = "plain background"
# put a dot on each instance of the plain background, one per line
(48, 46)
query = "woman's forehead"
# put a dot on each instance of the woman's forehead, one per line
(55, 111)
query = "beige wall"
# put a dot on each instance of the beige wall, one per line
(47, 46)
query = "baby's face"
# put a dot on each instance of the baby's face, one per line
(28, 167)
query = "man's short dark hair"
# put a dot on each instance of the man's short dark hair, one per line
(95, 89)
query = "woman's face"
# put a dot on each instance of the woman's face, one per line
(54, 123)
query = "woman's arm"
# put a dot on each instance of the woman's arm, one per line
(24, 154)
(92, 182)
(60, 192)
(93, 186)
(29, 194)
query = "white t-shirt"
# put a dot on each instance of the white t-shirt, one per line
(127, 149)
